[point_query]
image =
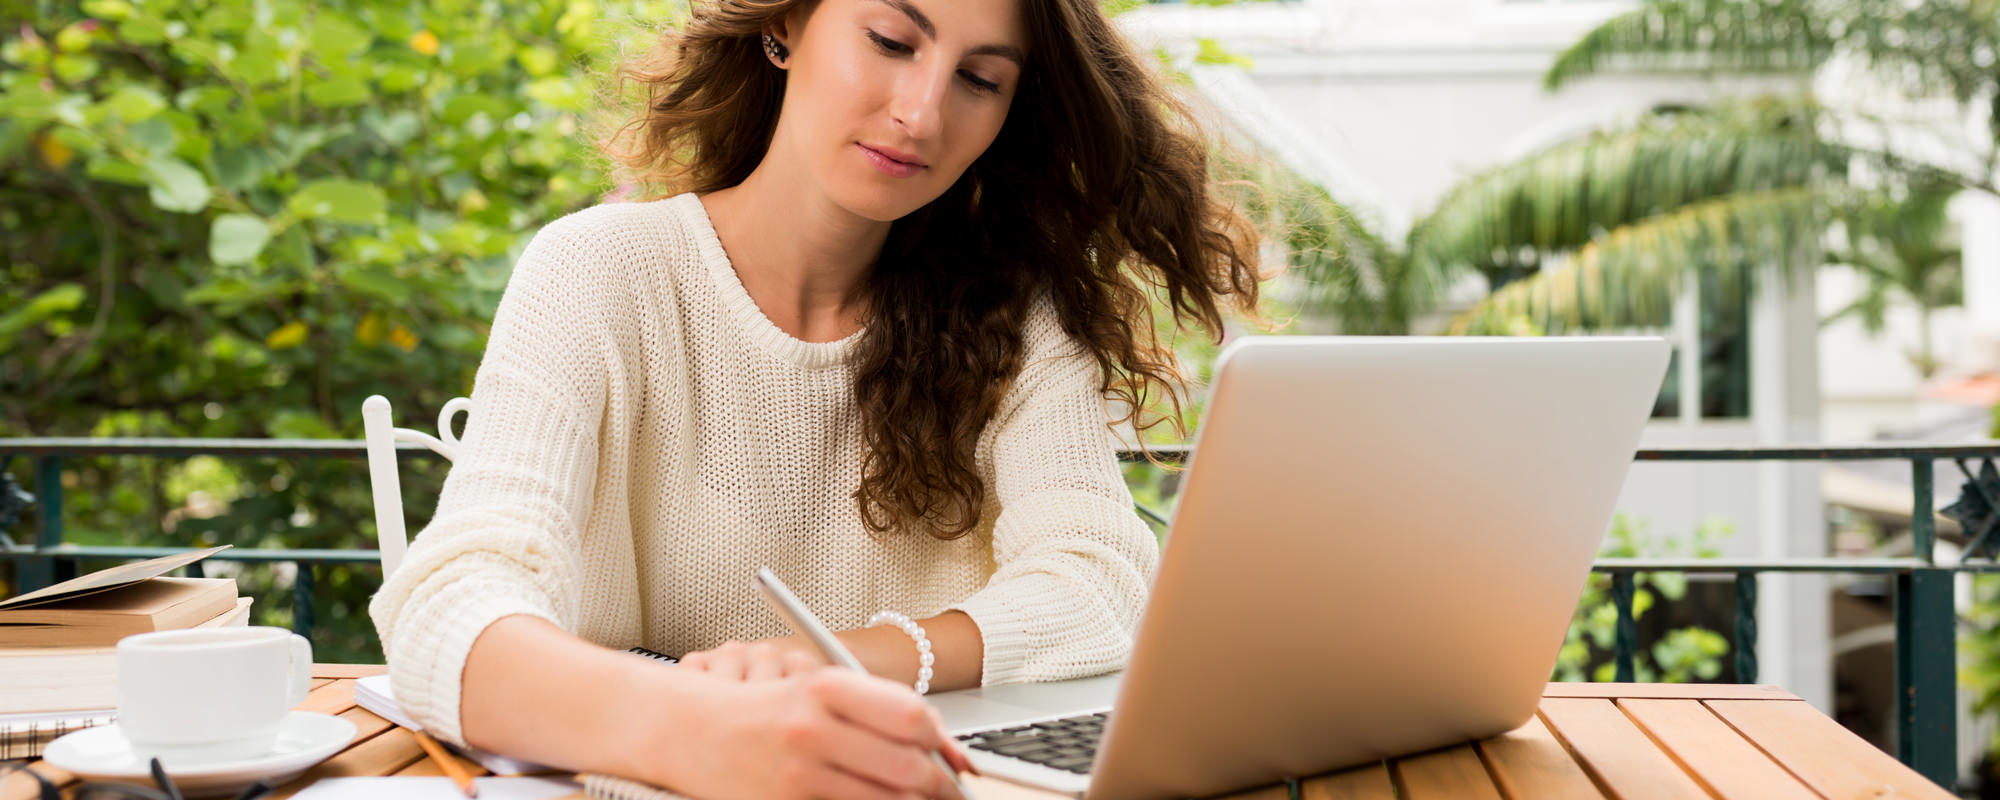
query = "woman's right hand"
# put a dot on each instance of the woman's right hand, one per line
(825, 733)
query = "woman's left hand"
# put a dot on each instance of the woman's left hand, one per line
(765, 660)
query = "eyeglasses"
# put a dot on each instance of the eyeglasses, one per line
(104, 790)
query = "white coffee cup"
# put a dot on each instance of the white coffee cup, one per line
(210, 694)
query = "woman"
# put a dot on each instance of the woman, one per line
(869, 345)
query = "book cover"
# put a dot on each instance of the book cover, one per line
(102, 618)
(111, 578)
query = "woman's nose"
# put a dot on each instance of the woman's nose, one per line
(919, 103)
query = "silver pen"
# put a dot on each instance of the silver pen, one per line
(795, 613)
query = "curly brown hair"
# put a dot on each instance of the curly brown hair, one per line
(1095, 194)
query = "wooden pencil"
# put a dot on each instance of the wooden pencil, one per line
(445, 762)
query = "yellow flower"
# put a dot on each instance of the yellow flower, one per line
(403, 338)
(425, 42)
(56, 154)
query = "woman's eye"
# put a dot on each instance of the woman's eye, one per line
(887, 44)
(980, 84)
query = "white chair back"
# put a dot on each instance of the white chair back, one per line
(382, 436)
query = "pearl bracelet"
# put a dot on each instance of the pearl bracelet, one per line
(915, 631)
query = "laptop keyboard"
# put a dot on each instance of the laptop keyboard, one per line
(1066, 744)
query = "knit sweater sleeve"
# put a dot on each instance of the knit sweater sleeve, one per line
(506, 536)
(1073, 559)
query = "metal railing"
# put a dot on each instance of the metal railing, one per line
(1922, 587)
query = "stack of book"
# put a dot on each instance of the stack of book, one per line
(59, 645)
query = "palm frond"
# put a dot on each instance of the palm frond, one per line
(1703, 35)
(1338, 265)
(1514, 216)
(1628, 276)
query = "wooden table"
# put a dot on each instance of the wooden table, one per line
(1625, 741)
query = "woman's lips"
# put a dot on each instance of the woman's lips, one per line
(890, 166)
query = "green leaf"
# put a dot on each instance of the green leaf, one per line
(336, 38)
(237, 238)
(225, 292)
(116, 170)
(337, 93)
(463, 107)
(107, 9)
(176, 186)
(239, 168)
(135, 103)
(155, 136)
(340, 200)
(401, 78)
(377, 281)
(58, 300)
(75, 68)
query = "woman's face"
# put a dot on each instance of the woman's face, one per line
(888, 101)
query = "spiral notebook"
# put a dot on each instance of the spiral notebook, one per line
(24, 735)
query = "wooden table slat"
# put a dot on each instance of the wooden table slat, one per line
(1827, 757)
(1691, 691)
(1718, 757)
(1448, 774)
(1359, 783)
(348, 670)
(332, 698)
(1625, 763)
(1528, 763)
(366, 724)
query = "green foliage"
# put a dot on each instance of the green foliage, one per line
(1979, 641)
(238, 218)
(1601, 232)
(1570, 194)
(1923, 48)
(1733, 36)
(1898, 244)
(1335, 265)
(1681, 655)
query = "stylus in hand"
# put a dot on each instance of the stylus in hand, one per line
(802, 620)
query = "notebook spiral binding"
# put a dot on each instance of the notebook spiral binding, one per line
(26, 739)
(606, 787)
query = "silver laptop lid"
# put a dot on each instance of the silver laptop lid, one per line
(1378, 549)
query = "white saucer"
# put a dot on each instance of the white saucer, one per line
(103, 754)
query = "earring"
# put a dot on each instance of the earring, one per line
(776, 51)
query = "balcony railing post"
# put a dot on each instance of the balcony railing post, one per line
(1625, 636)
(1926, 692)
(302, 599)
(1926, 695)
(1746, 627)
(39, 571)
(1923, 530)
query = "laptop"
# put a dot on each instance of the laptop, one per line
(1378, 547)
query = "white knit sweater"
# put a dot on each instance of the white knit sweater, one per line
(643, 438)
